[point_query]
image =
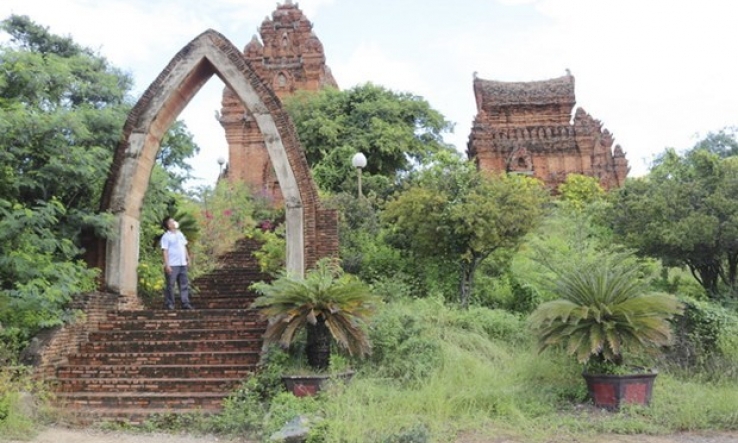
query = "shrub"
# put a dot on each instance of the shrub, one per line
(496, 324)
(404, 346)
(702, 336)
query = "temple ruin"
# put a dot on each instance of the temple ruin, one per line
(526, 128)
(289, 57)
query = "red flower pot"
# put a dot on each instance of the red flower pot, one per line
(610, 391)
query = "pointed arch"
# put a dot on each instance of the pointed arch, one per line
(209, 54)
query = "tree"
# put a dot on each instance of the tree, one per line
(578, 191)
(62, 109)
(685, 212)
(61, 112)
(394, 130)
(456, 212)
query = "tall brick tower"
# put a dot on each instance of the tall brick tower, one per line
(526, 127)
(289, 57)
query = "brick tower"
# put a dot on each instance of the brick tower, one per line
(526, 127)
(289, 58)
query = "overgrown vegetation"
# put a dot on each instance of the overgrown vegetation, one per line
(460, 260)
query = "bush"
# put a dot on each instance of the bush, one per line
(495, 324)
(23, 403)
(404, 347)
(701, 336)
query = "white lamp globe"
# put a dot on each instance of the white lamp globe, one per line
(358, 160)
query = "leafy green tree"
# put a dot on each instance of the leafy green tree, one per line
(61, 112)
(580, 190)
(454, 212)
(685, 212)
(396, 131)
(724, 142)
(62, 109)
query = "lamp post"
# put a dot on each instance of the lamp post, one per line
(221, 162)
(359, 162)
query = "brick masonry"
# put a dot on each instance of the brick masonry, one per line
(208, 54)
(291, 58)
(525, 127)
(127, 365)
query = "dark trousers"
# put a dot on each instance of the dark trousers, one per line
(177, 276)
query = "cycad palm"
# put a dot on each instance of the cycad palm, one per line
(326, 302)
(604, 308)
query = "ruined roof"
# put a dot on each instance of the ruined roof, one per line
(545, 92)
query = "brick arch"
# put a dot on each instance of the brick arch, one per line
(311, 229)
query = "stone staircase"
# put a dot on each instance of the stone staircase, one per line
(139, 363)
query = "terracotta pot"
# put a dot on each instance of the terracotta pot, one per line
(610, 391)
(308, 385)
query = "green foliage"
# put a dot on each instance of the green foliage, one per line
(325, 298)
(394, 130)
(38, 272)
(699, 333)
(228, 213)
(605, 309)
(685, 213)
(62, 108)
(24, 403)
(455, 213)
(272, 255)
(405, 347)
(580, 191)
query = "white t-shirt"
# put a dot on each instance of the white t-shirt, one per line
(175, 243)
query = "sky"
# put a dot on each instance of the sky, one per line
(657, 73)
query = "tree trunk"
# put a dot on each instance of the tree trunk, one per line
(708, 276)
(318, 345)
(467, 281)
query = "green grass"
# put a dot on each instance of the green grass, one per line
(438, 372)
(486, 383)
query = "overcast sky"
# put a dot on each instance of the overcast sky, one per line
(657, 73)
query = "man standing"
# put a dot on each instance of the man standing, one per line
(174, 247)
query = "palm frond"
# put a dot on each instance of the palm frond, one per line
(342, 301)
(604, 307)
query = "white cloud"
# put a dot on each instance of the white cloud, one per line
(369, 63)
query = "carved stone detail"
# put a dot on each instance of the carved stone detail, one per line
(289, 57)
(527, 127)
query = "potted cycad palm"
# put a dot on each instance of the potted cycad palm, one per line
(329, 305)
(606, 311)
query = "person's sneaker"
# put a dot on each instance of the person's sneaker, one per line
(187, 306)
(170, 307)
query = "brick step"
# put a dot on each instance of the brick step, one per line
(226, 295)
(222, 303)
(166, 358)
(244, 345)
(176, 335)
(254, 321)
(151, 385)
(87, 416)
(163, 314)
(234, 271)
(222, 290)
(67, 372)
(145, 404)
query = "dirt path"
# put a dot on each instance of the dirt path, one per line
(63, 435)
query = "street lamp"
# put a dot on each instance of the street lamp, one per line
(221, 162)
(359, 162)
